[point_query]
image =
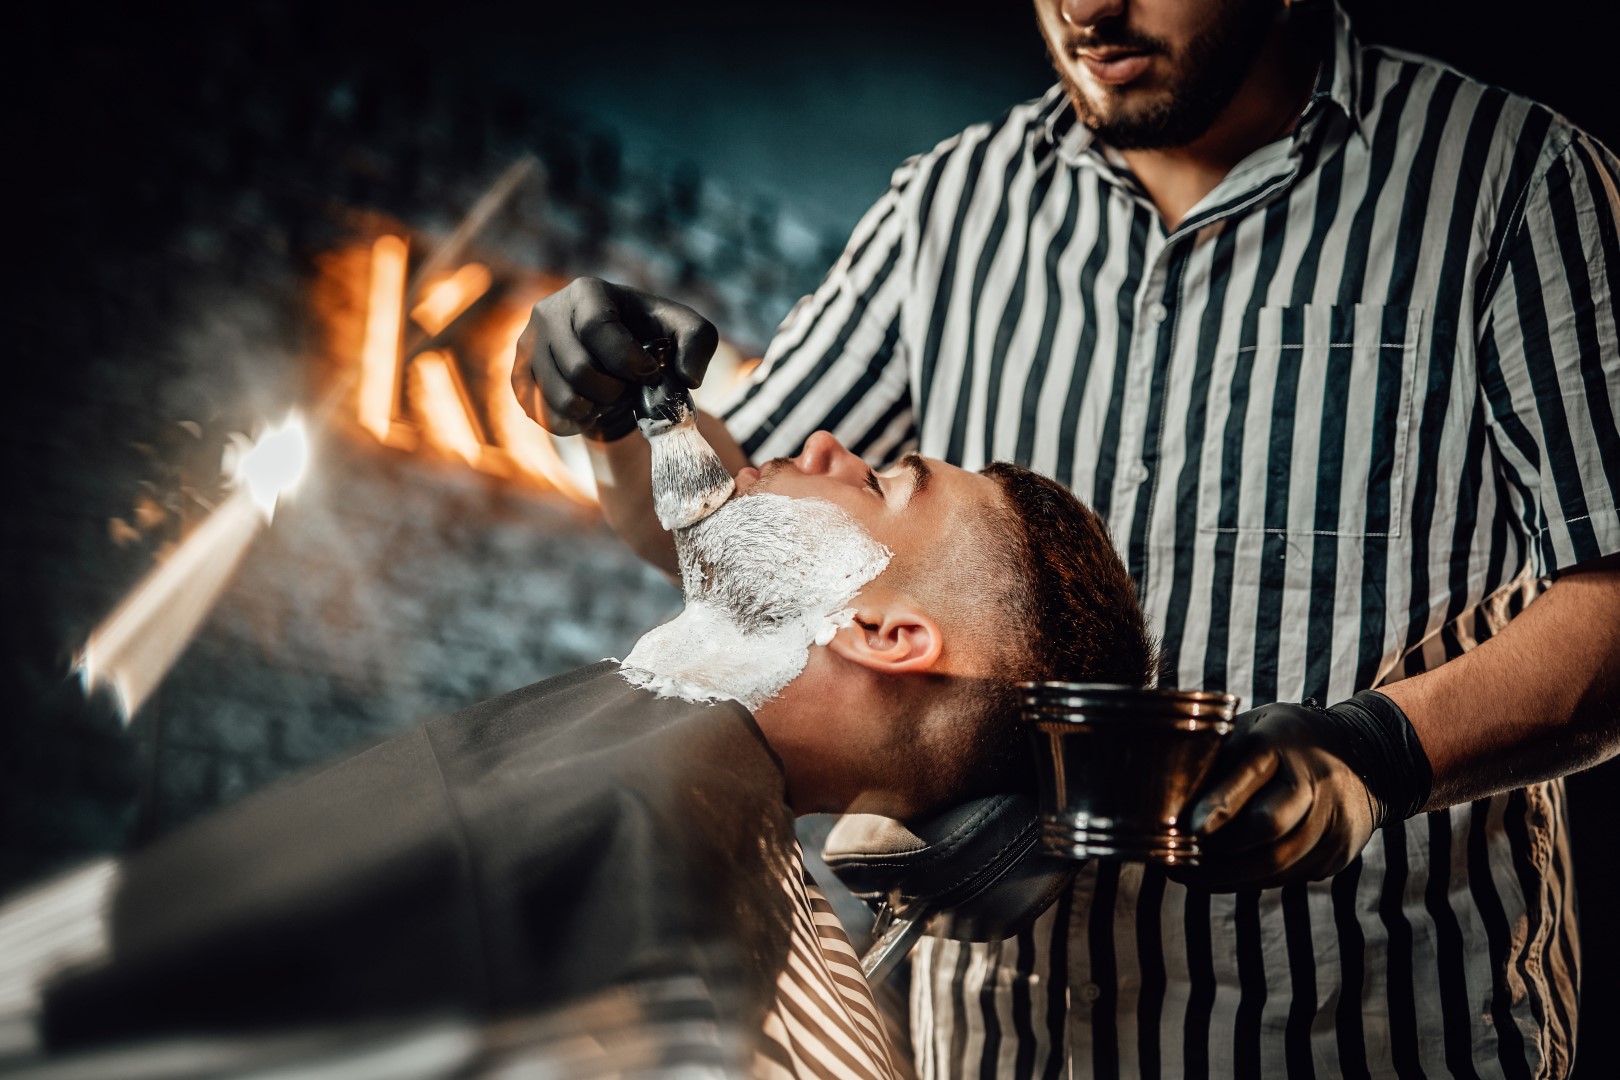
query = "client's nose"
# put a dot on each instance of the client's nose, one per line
(824, 455)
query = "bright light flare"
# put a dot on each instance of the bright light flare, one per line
(444, 300)
(275, 465)
(379, 350)
(134, 647)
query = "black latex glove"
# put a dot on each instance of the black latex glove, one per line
(1298, 790)
(580, 361)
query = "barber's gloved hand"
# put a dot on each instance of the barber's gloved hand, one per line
(1299, 789)
(580, 360)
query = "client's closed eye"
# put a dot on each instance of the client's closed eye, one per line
(872, 482)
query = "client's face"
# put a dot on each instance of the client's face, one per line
(776, 570)
(767, 576)
(767, 560)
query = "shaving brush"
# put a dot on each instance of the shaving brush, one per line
(689, 482)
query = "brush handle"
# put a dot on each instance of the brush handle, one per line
(667, 400)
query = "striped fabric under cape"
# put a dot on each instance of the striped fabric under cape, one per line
(825, 1023)
(1345, 420)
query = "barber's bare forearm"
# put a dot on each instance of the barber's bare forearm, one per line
(623, 471)
(1538, 700)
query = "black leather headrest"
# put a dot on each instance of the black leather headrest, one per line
(977, 861)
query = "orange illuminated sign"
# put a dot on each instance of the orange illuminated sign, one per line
(432, 370)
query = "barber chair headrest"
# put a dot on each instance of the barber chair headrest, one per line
(978, 862)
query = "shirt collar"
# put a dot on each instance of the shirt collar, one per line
(1341, 67)
(1336, 84)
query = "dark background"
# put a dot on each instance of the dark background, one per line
(178, 175)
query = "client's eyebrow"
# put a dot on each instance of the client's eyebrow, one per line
(920, 474)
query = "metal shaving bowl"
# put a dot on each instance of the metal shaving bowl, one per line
(1118, 766)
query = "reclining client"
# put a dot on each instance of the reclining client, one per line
(598, 873)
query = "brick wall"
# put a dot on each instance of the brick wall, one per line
(184, 193)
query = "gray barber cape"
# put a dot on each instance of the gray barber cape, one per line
(575, 838)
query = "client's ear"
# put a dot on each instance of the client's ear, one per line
(893, 640)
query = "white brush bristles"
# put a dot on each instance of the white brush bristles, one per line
(689, 482)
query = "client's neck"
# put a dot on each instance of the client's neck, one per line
(805, 703)
(834, 730)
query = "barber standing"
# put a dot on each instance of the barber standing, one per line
(1329, 335)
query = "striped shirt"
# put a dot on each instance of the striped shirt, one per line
(825, 1022)
(1344, 421)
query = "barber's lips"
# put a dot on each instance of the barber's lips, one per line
(1115, 68)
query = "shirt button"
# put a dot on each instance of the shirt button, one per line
(1090, 992)
(1158, 312)
(1136, 473)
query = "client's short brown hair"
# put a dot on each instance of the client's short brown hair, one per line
(1080, 603)
(1069, 592)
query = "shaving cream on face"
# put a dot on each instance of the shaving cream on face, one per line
(766, 577)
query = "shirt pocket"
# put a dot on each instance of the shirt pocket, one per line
(1309, 422)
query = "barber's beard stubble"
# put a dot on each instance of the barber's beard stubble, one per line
(1206, 76)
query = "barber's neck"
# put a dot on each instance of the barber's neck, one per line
(1265, 107)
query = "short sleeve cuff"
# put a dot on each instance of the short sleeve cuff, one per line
(1569, 542)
